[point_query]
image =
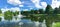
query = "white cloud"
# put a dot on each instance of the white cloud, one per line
(44, 4)
(14, 2)
(15, 9)
(31, 8)
(4, 9)
(37, 6)
(21, 6)
(25, 10)
(55, 3)
(36, 2)
(11, 9)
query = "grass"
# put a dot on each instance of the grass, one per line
(57, 24)
(1, 14)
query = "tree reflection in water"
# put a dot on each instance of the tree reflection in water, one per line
(36, 21)
(49, 19)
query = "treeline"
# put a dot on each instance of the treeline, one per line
(8, 15)
(48, 10)
(50, 17)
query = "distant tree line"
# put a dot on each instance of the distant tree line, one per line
(48, 10)
(50, 17)
(8, 15)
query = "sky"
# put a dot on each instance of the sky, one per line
(25, 5)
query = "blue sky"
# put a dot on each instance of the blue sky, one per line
(26, 4)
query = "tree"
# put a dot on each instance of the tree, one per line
(16, 13)
(0, 11)
(25, 13)
(48, 17)
(36, 12)
(59, 10)
(41, 11)
(48, 9)
(32, 11)
(8, 15)
(56, 10)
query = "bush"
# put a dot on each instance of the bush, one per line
(57, 24)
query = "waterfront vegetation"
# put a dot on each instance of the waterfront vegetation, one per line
(1, 14)
(57, 24)
(49, 14)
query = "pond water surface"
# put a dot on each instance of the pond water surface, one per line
(22, 23)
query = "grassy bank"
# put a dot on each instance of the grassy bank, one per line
(1, 14)
(57, 24)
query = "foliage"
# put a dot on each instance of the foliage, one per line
(0, 11)
(48, 10)
(16, 13)
(0, 19)
(36, 12)
(41, 11)
(32, 11)
(25, 13)
(1, 14)
(8, 15)
(49, 15)
(56, 11)
(57, 24)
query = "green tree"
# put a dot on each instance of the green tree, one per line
(56, 10)
(48, 17)
(59, 10)
(48, 10)
(0, 11)
(32, 11)
(41, 11)
(8, 15)
(36, 12)
(25, 13)
(16, 13)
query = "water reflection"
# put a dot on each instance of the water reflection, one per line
(8, 24)
(32, 21)
(22, 23)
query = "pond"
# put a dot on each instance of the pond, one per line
(33, 21)
(22, 23)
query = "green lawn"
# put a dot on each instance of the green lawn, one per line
(57, 24)
(1, 14)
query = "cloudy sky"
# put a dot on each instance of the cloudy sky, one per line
(27, 4)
